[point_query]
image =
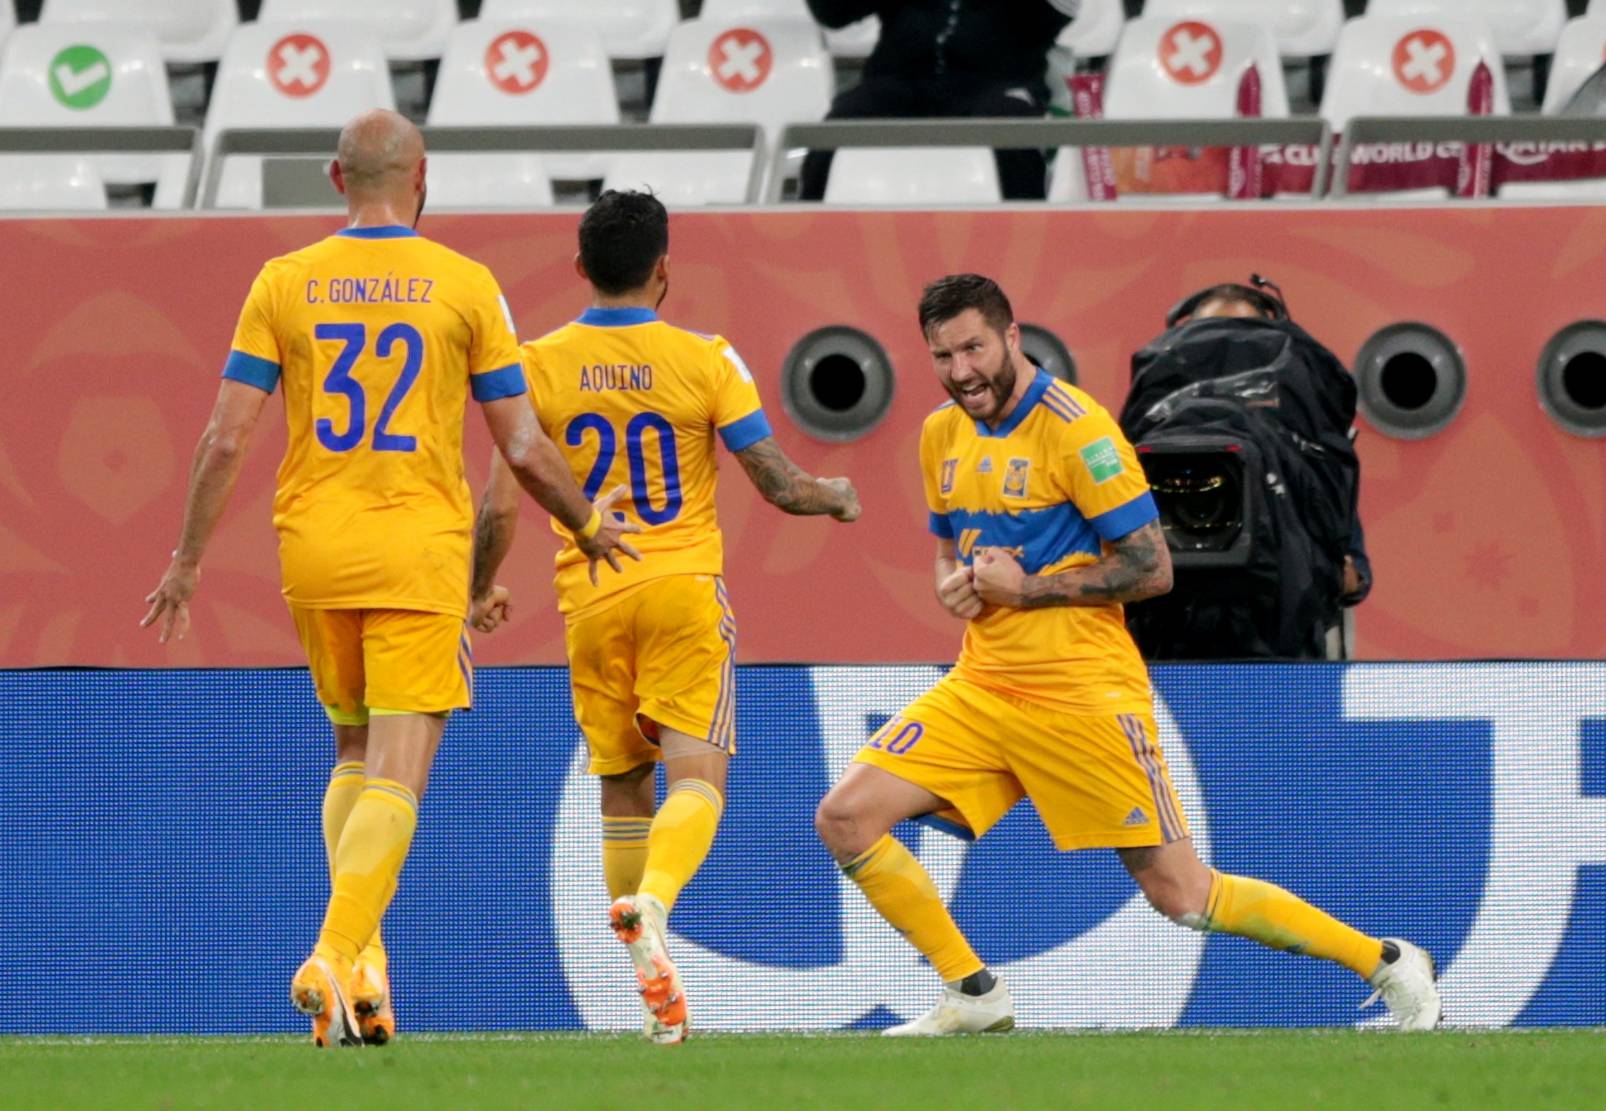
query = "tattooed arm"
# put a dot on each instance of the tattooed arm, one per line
(791, 489)
(1135, 567)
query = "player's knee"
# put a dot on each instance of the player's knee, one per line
(1176, 901)
(837, 824)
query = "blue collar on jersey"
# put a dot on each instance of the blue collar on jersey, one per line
(1034, 394)
(385, 231)
(616, 318)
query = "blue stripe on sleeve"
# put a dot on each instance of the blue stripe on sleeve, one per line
(494, 385)
(941, 526)
(253, 370)
(1125, 519)
(739, 435)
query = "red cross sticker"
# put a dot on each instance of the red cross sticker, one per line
(740, 60)
(298, 64)
(1424, 61)
(516, 62)
(1191, 53)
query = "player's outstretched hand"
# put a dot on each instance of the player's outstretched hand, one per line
(958, 595)
(847, 509)
(610, 537)
(170, 601)
(998, 576)
(490, 609)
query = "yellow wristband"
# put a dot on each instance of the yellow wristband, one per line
(592, 525)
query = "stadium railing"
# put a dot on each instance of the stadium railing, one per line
(110, 140)
(315, 144)
(1007, 132)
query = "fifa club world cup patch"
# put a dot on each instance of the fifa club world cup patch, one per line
(1015, 478)
(1103, 461)
(949, 466)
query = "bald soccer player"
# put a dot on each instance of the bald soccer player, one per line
(379, 337)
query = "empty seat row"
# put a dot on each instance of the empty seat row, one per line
(191, 31)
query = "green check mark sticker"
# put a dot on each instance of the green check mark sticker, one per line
(80, 77)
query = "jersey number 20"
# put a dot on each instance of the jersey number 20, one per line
(340, 381)
(635, 454)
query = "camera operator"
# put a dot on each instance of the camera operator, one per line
(950, 58)
(1245, 425)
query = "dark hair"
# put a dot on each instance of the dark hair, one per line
(622, 237)
(946, 298)
(1266, 305)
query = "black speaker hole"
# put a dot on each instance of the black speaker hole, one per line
(1409, 380)
(837, 383)
(1583, 380)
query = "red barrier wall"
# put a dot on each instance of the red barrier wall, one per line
(1485, 539)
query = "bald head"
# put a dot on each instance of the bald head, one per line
(379, 152)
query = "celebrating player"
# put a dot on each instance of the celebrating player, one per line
(630, 398)
(1045, 526)
(379, 337)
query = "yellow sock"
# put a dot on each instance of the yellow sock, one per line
(680, 838)
(345, 785)
(624, 853)
(899, 888)
(1276, 918)
(368, 861)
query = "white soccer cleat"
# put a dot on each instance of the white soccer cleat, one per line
(1407, 985)
(957, 1013)
(638, 921)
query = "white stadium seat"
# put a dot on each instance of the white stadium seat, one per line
(913, 176)
(1303, 28)
(190, 31)
(1581, 51)
(49, 183)
(498, 180)
(1095, 30)
(1408, 67)
(853, 41)
(8, 19)
(409, 30)
(104, 75)
(1180, 69)
(290, 75)
(521, 73)
(768, 72)
(631, 29)
(1520, 27)
(685, 178)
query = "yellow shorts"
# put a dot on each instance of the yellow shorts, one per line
(397, 661)
(1098, 781)
(662, 655)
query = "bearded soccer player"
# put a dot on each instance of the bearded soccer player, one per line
(1044, 527)
(379, 337)
(630, 398)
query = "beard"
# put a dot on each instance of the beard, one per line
(1000, 385)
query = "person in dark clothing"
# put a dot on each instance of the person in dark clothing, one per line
(1232, 299)
(950, 58)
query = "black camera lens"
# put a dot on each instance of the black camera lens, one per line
(1200, 499)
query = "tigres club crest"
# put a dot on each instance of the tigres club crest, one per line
(1015, 478)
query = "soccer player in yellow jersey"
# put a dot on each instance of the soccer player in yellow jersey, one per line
(629, 398)
(379, 337)
(1044, 527)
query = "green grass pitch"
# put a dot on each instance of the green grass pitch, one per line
(1192, 1071)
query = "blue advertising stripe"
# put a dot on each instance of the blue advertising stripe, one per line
(1400, 798)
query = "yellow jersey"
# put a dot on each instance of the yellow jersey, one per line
(379, 337)
(630, 399)
(1051, 484)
